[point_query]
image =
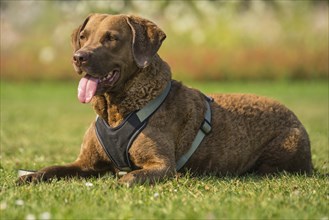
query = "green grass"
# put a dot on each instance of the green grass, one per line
(42, 124)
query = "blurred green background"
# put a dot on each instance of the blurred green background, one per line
(206, 40)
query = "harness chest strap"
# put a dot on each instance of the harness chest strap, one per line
(117, 141)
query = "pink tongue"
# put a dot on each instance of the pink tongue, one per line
(87, 88)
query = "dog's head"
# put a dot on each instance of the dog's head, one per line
(109, 49)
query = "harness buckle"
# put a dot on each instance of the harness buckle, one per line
(209, 98)
(122, 173)
(206, 127)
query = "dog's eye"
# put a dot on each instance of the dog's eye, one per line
(110, 37)
(82, 37)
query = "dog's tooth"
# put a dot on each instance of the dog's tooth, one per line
(106, 77)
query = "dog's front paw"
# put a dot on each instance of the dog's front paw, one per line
(139, 177)
(128, 180)
(33, 178)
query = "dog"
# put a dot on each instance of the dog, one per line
(117, 54)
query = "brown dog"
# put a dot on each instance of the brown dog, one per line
(123, 73)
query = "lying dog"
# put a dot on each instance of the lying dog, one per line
(183, 129)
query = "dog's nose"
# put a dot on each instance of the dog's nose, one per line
(81, 57)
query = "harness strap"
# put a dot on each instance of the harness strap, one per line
(148, 110)
(203, 131)
(116, 141)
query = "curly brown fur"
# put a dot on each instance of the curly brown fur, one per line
(249, 133)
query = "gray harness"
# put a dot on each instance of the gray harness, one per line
(117, 141)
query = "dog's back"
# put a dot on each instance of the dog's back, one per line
(252, 133)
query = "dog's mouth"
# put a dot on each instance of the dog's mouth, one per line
(89, 85)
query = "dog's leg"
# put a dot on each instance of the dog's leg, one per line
(149, 175)
(289, 152)
(92, 161)
(59, 172)
(154, 153)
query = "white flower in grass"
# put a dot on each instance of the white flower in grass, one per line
(45, 216)
(19, 202)
(89, 184)
(156, 195)
(30, 217)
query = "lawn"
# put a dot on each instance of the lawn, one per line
(42, 124)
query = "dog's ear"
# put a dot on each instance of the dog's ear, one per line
(75, 36)
(147, 38)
